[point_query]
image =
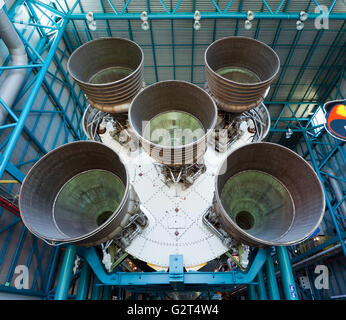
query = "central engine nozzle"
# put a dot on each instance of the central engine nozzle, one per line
(78, 193)
(173, 120)
(268, 195)
(109, 71)
(239, 71)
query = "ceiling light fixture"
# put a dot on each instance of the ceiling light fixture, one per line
(145, 23)
(299, 25)
(197, 17)
(247, 25)
(250, 15)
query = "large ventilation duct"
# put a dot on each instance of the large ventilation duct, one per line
(173, 120)
(12, 79)
(267, 195)
(78, 193)
(239, 71)
(109, 71)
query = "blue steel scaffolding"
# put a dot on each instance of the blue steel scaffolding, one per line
(59, 22)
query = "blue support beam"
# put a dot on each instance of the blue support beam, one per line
(262, 293)
(192, 280)
(13, 170)
(107, 293)
(109, 33)
(50, 269)
(287, 277)
(83, 282)
(176, 272)
(328, 202)
(65, 275)
(96, 290)
(252, 294)
(204, 15)
(29, 102)
(273, 290)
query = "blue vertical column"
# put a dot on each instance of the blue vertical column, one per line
(107, 293)
(252, 292)
(120, 293)
(262, 294)
(287, 278)
(83, 283)
(65, 273)
(95, 295)
(273, 289)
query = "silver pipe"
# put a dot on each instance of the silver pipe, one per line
(12, 79)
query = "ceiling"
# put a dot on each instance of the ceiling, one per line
(310, 58)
